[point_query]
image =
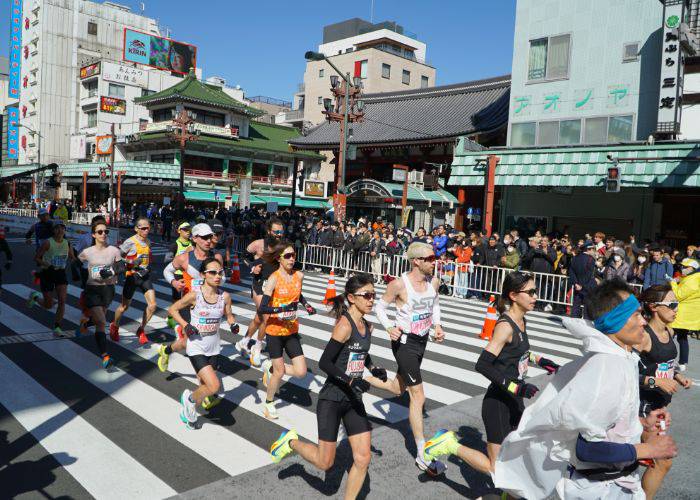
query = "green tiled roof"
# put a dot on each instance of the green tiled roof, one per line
(132, 169)
(192, 90)
(660, 165)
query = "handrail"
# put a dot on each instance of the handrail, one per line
(211, 174)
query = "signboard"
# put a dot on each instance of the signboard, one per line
(13, 133)
(78, 147)
(244, 193)
(104, 144)
(339, 204)
(398, 175)
(159, 52)
(113, 105)
(127, 75)
(90, 70)
(315, 189)
(15, 49)
(671, 83)
(202, 127)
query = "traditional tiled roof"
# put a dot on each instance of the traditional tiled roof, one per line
(422, 115)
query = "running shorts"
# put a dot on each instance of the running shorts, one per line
(501, 414)
(330, 413)
(257, 288)
(50, 277)
(98, 295)
(277, 345)
(199, 361)
(133, 283)
(409, 357)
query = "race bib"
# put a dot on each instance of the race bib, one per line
(95, 272)
(356, 364)
(665, 370)
(523, 364)
(59, 261)
(208, 326)
(421, 323)
(287, 315)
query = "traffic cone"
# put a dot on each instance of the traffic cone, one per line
(330, 289)
(489, 320)
(235, 271)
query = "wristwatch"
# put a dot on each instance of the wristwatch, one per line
(651, 382)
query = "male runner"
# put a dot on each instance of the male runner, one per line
(417, 311)
(218, 241)
(42, 230)
(136, 251)
(178, 247)
(260, 271)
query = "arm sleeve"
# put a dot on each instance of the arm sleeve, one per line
(381, 308)
(484, 365)
(604, 452)
(302, 300)
(327, 361)
(369, 362)
(265, 307)
(169, 272)
(436, 311)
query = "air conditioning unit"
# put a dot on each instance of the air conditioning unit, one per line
(415, 177)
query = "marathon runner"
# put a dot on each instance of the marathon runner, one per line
(52, 257)
(659, 377)
(218, 241)
(260, 271)
(136, 251)
(42, 230)
(178, 247)
(504, 361)
(417, 311)
(84, 241)
(281, 297)
(208, 304)
(340, 400)
(104, 264)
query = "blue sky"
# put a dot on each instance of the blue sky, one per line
(260, 44)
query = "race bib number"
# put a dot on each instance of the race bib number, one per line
(59, 261)
(287, 315)
(95, 272)
(523, 364)
(665, 370)
(208, 326)
(421, 323)
(356, 364)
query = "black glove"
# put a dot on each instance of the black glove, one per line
(379, 372)
(235, 328)
(549, 365)
(290, 307)
(190, 330)
(142, 272)
(8, 265)
(310, 309)
(106, 272)
(523, 390)
(361, 385)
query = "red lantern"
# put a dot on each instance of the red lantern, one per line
(24, 142)
(26, 23)
(26, 51)
(24, 111)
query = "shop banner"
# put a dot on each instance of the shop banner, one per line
(113, 105)
(15, 49)
(13, 133)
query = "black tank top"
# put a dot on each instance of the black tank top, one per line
(351, 361)
(659, 362)
(195, 262)
(267, 268)
(513, 358)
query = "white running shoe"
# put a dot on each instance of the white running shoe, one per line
(267, 372)
(433, 469)
(548, 308)
(242, 346)
(270, 411)
(682, 368)
(189, 408)
(256, 354)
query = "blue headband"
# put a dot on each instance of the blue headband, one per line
(613, 321)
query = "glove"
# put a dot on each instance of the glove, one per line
(106, 272)
(549, 365)
(361, 385)
(310, 309)
(379, 372)
(190, 330)
(235, 328)
(523, 389)
(290, 307)
(8, 265)
(142, 272)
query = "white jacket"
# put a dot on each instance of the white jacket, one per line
(596, 396)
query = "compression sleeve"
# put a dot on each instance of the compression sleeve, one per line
(604, 452)
(327, 361)
(169, 273)
(265, 307)
(485, 366)
(369, 363)
(381, 308)
(436, 312)
(302, 300)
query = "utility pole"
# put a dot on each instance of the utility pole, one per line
(181, 134)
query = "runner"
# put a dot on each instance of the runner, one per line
(52, 258)
(504, 361)
(84, 241)
(218, 241)
(417, 311)
(208, 304)
(281, 297)
(137, 253)
(104, 263)
(260, 271)
(178, 247)
(344, 360)
(659, 377)
(42, 230)
(581, 438)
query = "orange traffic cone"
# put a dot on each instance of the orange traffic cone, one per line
(330, 290)
(489, 320)
(235, 271)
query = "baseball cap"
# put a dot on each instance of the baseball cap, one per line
(184, 225)
(201, 229)
(43, 211)
(216, 225)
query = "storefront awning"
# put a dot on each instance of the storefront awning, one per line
(286, 201)
(208, 196)
(664, 165)
(395, 191)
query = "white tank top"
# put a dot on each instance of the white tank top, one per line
(416, 315)
(206, 318)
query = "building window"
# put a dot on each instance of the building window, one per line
(570, 132)
(320, 101)
(140, 158)
(424, 82)
(549, 58)
(163, 158)
(116, 90)
(146, 92)
(523, 134)
(620, 128)
(548, 133)
(91, 118)
(406, 77)
(630, 52)
(320, 73)
(362, 69)
(596, 130)
(92, 28)
(386, 70)
(163, 115)
(91, 87)
(143, 124)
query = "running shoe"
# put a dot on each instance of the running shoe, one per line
(444, 442)
(242, 346)
(281, 448)
(171, 322)
(58, 333)
(211, 401)
(142, 336)
(682, 368)
(83, 328)
(433, 468)
(256, 354)
(188, 424)
(270, 411)
(106, 361)
(163, 358)
(189, 408)
(267, 372)
(114, 332)
(33, 297)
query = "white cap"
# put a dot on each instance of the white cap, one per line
(201, 229)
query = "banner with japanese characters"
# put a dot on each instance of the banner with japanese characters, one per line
(671, 85)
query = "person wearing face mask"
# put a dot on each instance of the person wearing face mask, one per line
(511, 259)
(636, 275)
(687, 291)
(617, 267)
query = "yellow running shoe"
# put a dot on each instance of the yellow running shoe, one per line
(281, 448)
(163, 358)
(267, 372)
(444, 442)
(210, 402)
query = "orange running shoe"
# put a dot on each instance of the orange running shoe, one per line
(142, 336)
(114, 332)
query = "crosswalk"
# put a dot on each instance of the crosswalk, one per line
(125, 420)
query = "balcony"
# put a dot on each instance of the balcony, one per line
(210, 176)
(294, 116)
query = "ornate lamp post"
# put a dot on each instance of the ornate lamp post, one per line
(182, 132)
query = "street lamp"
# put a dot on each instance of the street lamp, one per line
(182, 124)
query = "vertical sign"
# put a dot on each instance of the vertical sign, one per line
(13, 133)
(15, 49)
(671, 85)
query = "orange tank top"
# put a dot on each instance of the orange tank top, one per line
(287, 290)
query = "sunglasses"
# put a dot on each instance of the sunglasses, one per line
(366, 295)
(429, 258)
(671, 305)
(278, 233)
(289, 255)
(212, 272)
(145, 228)
(206, 237)
(531, 292)
(102, 231)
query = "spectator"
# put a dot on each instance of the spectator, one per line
(637, 269)
(687, 291)
(440, 241)
(376, 249)
(659, 271)
(582, 277)
(61, 212)
(493, 253)
(599, 242)
(520, 244)
(511, 259)
(617, 266)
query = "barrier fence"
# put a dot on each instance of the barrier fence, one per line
(76, 218)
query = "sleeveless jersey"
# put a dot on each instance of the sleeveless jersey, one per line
(191, 275)
(139, 255)
(287, 290)
(415, 317)
(206, 318)
(659, 362)
(513, 358)
(180, 248)
(57, 254)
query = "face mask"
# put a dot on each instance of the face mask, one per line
(511, 249)
(641, 260)
(617, 258)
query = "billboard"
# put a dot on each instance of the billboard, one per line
(158, 52)
(121, 73)
(90, 70)
(15, 49)
(12, 132)
(314, 189)
(78, 147)
(113, 105)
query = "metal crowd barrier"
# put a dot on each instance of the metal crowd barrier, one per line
(76, 218)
